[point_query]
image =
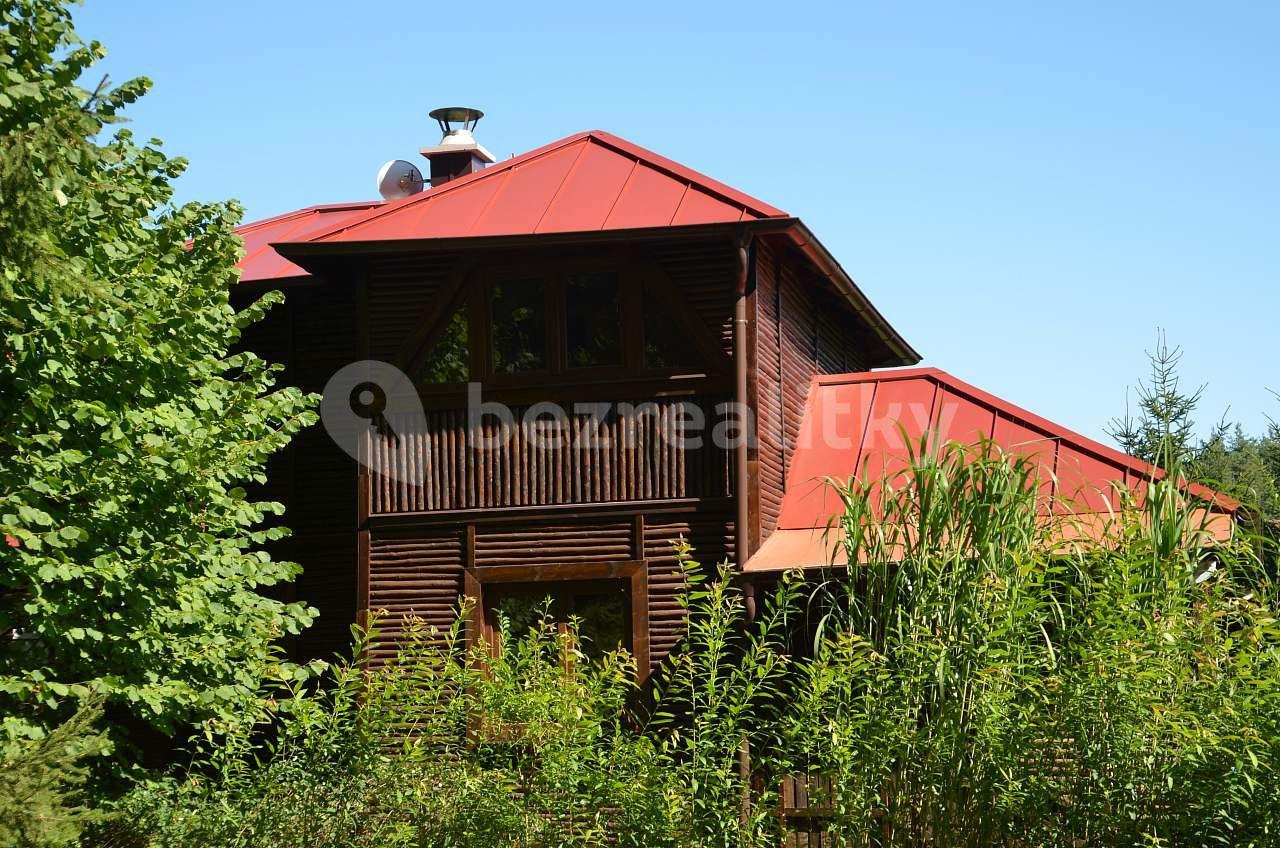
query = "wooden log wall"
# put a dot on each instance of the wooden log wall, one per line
(436, 461)
(704, 272)
(415, 572)
(399, 289)
(418, 568)
(801, 329)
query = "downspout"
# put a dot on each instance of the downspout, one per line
(740, 534)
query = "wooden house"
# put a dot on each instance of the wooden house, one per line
(587, 273)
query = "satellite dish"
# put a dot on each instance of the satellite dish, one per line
(398, 179)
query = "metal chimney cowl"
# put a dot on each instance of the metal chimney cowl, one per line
(458, 153)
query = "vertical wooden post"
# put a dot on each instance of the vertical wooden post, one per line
(472, 588)
(362, 577)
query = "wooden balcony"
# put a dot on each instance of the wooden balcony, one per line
(636, 451)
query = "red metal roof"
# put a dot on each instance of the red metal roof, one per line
(261, 262)
(589, 181)
(851, 423)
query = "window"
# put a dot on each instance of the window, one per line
(593, 320)
(600, 609)
(666, 344)
(448, 358)
(584, 322)
(518, 312)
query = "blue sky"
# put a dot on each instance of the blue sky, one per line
(1026, 192)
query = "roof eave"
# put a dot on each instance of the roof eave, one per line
(317, 256)
(805, 241)
(322, 257)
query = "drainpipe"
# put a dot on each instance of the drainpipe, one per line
(740, 534)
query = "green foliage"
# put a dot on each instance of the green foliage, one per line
(1243, 466)
(1228, 460)
(974, 681)
(979, 682)
(1163, 432)
(721, 693)
(438, 746)
(133, 565)
(43, 781)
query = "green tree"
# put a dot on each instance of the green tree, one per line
(133, 566)
(1163, 431)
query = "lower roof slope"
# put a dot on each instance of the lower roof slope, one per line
(261, 262)
(857, 425)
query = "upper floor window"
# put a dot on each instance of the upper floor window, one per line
(572, 321)
(593, 320)
(448, 359)
(518, 321)
(666, 344)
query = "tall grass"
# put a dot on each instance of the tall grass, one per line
(974, 681)
(980, 682)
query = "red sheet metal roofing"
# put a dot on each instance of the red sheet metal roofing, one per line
(589, 181)
(855, 424)
(851, 423)
(261, 262)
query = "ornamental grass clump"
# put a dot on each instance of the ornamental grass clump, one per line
(979, 681)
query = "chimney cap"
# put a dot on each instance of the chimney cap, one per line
(457, 122)
(464, 115)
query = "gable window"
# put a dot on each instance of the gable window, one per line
(593, 320)
(518, 316)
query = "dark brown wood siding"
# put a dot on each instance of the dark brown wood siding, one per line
(414, 573)
(801, 329)
(399, 290)
(551, 544)
(704, 272)
(313, 334)
(711, 534)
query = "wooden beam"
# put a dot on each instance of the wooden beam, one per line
(707, 342)
(499, 515)
(431, 323)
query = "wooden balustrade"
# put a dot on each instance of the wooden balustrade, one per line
(633, 451)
